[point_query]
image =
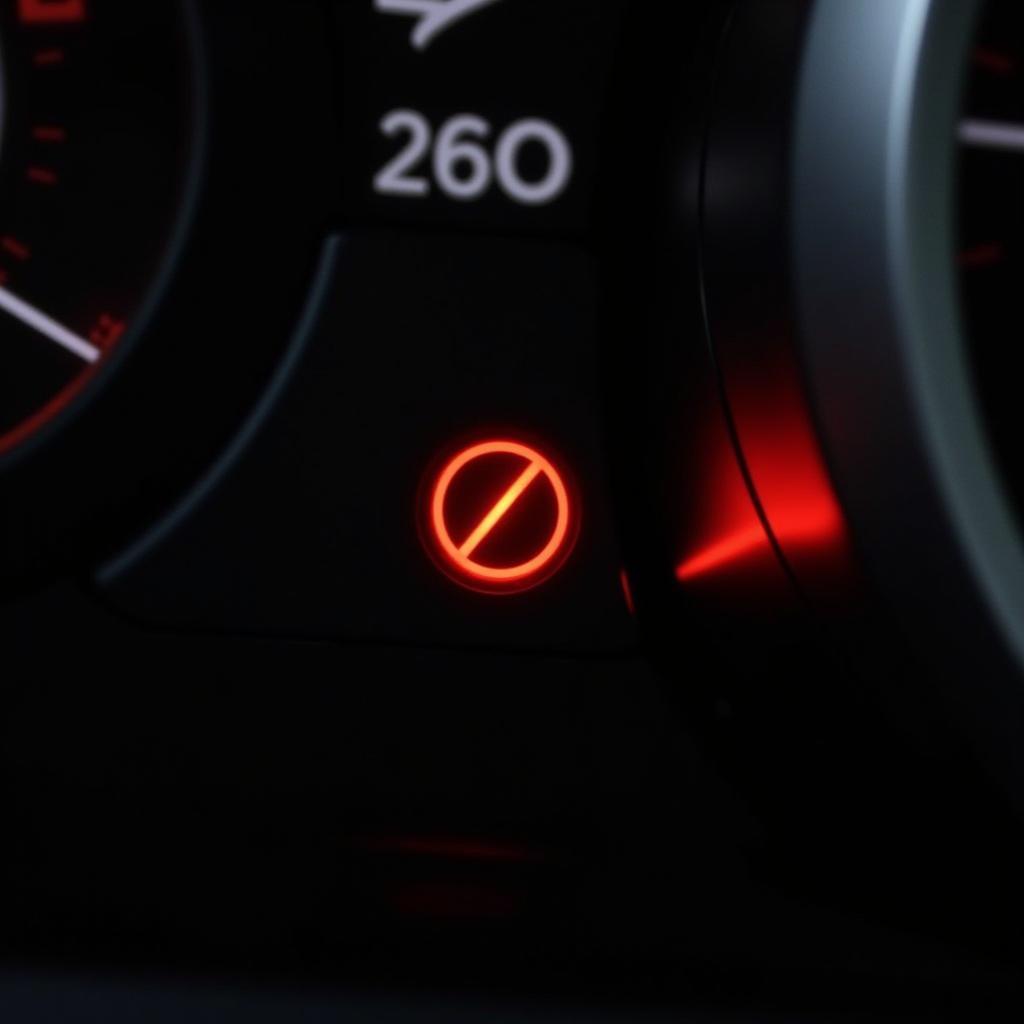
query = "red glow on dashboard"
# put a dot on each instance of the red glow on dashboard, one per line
(814, 521)
(51, 12)
(17, 249)
(731, 548)
(48, 58)
(49, 133)
(41, 175)
(794, 490)
(721, 527)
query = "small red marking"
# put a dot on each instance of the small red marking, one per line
(15, 248)
(47, 58)
(107, 332)
(982, 255)
(51, 12)
(3, 277)
(627, 592)
(41, 176)
(994, 61)
(49, 133)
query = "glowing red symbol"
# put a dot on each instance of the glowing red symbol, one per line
(499, 517)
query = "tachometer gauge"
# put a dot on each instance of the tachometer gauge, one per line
(95, 115)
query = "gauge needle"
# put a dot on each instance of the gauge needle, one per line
(48, 327)
(993, 135)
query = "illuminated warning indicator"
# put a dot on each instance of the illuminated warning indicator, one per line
(500, 518)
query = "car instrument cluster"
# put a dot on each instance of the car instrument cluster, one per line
(519, 489)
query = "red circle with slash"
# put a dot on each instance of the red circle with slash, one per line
(500, 517)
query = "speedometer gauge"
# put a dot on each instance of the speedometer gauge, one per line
(95, 126)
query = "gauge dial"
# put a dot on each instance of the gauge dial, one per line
(94, 138)
(991, 256)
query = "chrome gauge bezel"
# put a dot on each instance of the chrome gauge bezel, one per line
(884, 343)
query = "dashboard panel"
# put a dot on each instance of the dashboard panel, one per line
(510, 506)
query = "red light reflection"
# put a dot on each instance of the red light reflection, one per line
(725, 530)
(791, 482)
(734, 547)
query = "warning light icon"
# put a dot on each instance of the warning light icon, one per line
(499, 517)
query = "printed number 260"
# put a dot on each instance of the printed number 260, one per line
(463, 168)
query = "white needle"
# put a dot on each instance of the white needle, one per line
(48, 327)
(433, 17)
(993, 135)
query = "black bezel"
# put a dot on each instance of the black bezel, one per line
(259, 203)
